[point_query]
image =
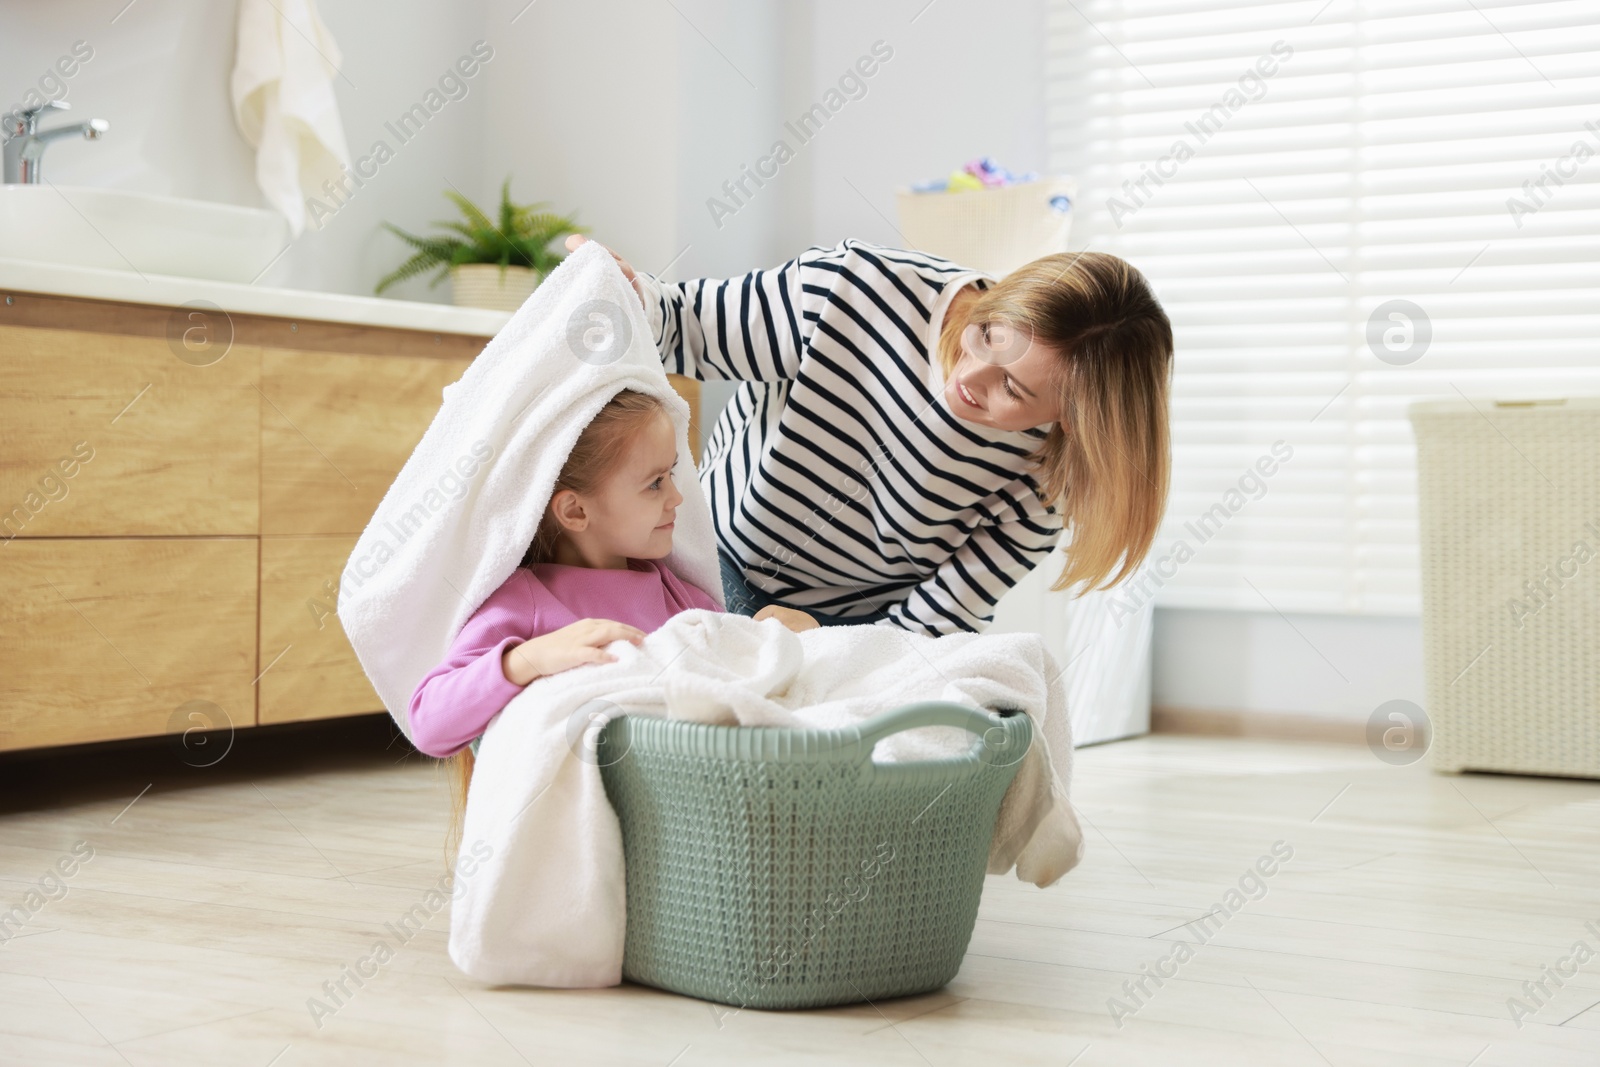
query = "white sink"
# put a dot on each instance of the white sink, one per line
(112, 229)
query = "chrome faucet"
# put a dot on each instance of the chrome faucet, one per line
(25, 142)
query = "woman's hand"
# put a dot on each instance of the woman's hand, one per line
(577, 240)
(573, 645)
(794, 620)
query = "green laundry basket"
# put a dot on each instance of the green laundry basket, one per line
(771, 867)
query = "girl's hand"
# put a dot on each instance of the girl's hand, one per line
(794, 620)
(577, 240)
(571, 646)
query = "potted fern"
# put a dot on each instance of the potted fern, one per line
(490, 265)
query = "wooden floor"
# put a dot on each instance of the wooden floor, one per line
(219, 899)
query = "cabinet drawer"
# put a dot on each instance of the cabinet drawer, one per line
(309, 669)
(104, 434)
(111, 638)
(336, 429)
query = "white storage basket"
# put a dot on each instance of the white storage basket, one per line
(992, 230)
(1509, 510)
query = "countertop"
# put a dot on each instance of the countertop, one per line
(29, 276)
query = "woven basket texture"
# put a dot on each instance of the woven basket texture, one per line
(783, 868)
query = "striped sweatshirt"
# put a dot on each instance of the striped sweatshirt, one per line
(839, 479)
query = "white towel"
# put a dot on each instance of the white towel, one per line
(462, 511)
(283, 102)
(548, 906)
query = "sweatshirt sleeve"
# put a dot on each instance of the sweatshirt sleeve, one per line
(455, 701)
(749, 328)
(962, 592)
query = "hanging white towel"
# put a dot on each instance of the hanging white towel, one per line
(283, 102)
(463, 510)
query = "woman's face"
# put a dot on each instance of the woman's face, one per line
(630, 514)
(1004, 379)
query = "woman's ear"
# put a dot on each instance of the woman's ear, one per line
(568, 510)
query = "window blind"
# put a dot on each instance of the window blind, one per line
(1343, 206)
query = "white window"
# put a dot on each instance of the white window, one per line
(1343, 207)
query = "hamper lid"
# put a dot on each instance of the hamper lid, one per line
(1502, 404)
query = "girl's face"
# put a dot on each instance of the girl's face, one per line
(631, 514)
(1004, 379)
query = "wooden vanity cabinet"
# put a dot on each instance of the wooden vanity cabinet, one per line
(179, 492)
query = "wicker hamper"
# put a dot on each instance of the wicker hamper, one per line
(1509, 519)
(992, 230)
(783, 868)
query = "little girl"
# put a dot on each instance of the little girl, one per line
(590, 577)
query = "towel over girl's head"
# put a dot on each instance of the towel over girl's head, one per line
(464, 509)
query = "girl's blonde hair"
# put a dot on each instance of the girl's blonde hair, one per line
(596, 454)
(1107, 462)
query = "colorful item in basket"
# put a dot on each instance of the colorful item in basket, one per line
(980, 173)
(960, 180)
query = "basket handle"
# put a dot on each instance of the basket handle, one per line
(1000, 740)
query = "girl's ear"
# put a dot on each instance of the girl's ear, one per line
(568, 510)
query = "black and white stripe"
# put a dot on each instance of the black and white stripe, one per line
(838, 474)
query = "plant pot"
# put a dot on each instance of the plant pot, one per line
(488, 285)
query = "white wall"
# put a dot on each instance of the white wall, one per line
(1325, 666)
(584, 114)
(966, 79)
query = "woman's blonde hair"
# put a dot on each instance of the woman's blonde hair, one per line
(596, 454)
(1107, 462)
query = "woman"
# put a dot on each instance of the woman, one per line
(912, 438)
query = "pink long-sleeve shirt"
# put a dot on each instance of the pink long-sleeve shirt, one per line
(455, 701)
